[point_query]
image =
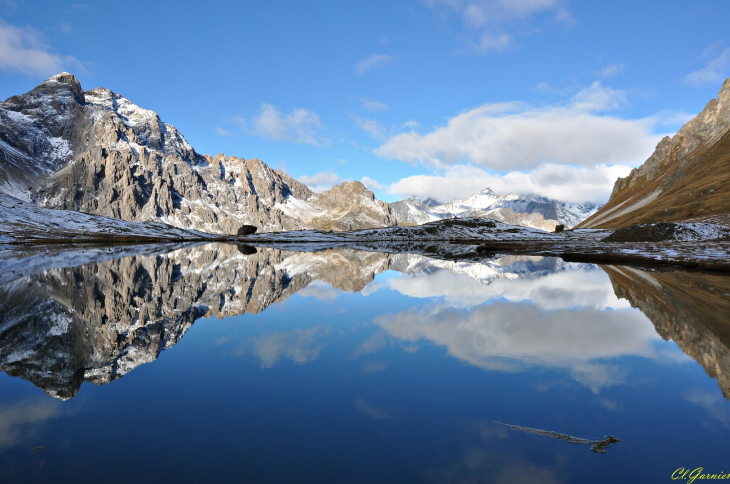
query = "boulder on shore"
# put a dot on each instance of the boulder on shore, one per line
(246, 230)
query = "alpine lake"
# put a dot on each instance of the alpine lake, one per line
(224, 363)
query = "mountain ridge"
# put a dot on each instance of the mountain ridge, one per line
(526, 210)
(98, 153)
(687, 178)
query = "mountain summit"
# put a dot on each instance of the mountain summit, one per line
(98, 153)
(686, 178)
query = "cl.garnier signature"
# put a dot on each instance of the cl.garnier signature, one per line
(691, 474)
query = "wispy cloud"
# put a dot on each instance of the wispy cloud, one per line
(371, 62)
(714, 72)
(609, 70)
(22, 49)
(372, 127)
(299, 126)
(65, 27)
(223, 132)
(488, 22)
(374, 105)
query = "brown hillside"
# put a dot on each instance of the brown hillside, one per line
(687, 177)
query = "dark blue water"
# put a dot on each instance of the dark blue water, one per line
(349, 366)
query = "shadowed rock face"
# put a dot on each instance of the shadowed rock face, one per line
(97, 322)
(97, 152)
(690, 308)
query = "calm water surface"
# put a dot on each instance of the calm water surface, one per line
(216, 364)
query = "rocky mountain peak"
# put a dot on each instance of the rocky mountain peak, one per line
(99, 153)
(60, 80)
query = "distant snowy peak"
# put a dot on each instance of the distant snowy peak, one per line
(527, 210)
(425, 201)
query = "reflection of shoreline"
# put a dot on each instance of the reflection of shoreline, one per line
(690, 308)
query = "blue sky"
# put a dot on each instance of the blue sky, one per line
(426, 97)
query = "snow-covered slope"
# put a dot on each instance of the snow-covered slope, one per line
(527, 210)
(22, 222)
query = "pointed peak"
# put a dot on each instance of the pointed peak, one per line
(70, 80)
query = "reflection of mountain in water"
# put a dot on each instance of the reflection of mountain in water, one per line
(96, 322)
(508, 267)
(690, 308)
(99, 321)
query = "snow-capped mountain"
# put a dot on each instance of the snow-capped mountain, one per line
(98, 153)
(526, 210)
(414, 210)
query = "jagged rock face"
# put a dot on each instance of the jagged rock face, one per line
(97, 322)
(686, 178)
(348, 206)
(528, 211)
(690, 308)
(97, 152)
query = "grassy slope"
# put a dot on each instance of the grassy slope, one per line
(685, 185)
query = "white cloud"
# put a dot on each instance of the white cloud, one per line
(65, 27)
(223, 132)
(372, 127)
(609, 70)
(561, 182)
(374, 105)
(370, 183)
(321, 181)
(23, 50)
(487, 20)
(517, 136)
(299, 126)
(713, 73)
(490, 43)
(373, 61)
(478, 13)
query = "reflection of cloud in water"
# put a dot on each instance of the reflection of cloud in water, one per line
(508, 336)
(715, 406)
(374, 367)
(574, 287)
(321, 291)
(18, 422)
(371, 288)
(299, 346)
(373, 412)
